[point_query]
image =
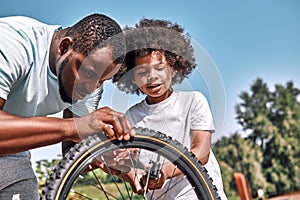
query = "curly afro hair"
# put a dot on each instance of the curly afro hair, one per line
(155, 35)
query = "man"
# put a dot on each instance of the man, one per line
(45, 69)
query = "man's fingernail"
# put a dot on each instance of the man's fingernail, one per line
(126, 137)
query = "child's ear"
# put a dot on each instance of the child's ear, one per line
(135, 82)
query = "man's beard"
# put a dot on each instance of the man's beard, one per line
(62, 91)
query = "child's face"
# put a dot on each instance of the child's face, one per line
(153, 75)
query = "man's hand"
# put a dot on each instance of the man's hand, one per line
(114, 124)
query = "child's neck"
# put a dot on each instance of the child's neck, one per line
(154, 100)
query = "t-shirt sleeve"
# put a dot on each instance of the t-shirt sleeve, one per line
(201, 117)
(88, 104)
(15, 57)
(8, 77)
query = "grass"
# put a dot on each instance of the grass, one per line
(95, 193)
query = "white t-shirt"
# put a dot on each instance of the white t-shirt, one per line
(176, 116)
(28, 85)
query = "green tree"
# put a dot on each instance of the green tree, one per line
(272, 120)
(45, 167)
(235, 154)
(43, 170)
(282, 152)
(253, 112)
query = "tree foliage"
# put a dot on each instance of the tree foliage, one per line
(43, 170)
(271, 121)
(45, 167)
(235, 154)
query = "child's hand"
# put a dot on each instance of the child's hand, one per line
(122, 159)
(153, 183)
(134, 178)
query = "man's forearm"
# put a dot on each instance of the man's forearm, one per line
(19, 134)
(67, 145)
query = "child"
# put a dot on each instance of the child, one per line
(160, 55)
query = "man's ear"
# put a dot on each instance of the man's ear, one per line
(64, 45)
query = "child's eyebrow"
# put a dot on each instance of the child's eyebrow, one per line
(140, 67)
(146, 65)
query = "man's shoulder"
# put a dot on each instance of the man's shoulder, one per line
(20, 21)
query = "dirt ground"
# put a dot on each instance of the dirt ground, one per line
(290, 196)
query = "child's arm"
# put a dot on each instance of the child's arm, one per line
(200, 146)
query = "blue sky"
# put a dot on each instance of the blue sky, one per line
(242, 39)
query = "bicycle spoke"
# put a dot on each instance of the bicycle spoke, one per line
(172, 187)
(99, 183)
(100, 189)
(134, 167)
(126, 187)
(148, 176)
(193, 188)
(79, 194)
(169, 184)
(113, 177)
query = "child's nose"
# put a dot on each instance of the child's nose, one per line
(152, 75)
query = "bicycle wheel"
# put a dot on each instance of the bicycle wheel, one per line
(70, 179)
